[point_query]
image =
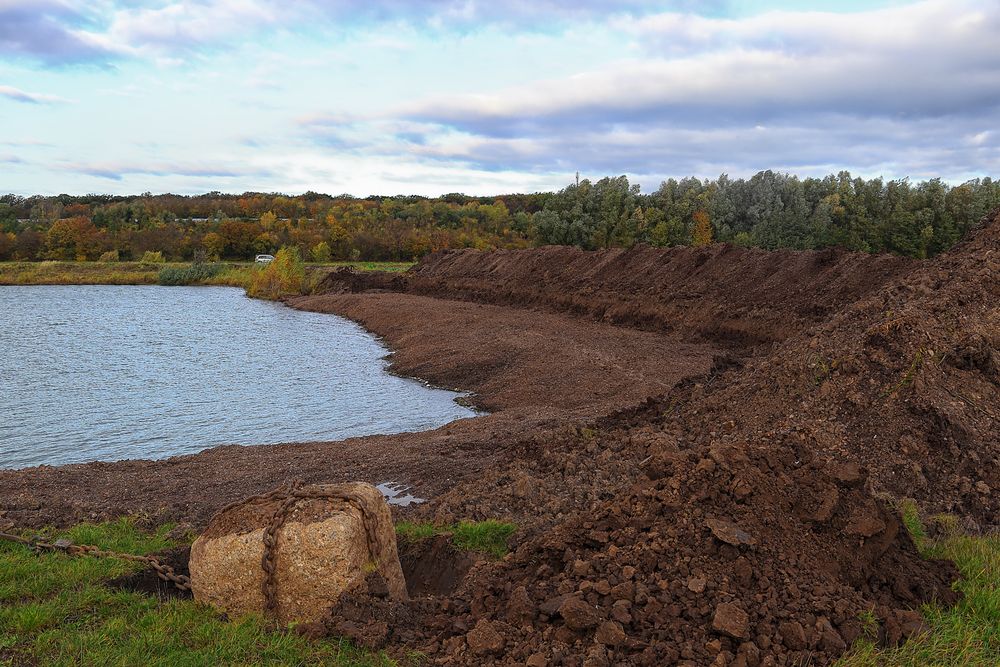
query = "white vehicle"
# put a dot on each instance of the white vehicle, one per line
(264, 259)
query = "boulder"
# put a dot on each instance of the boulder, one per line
(331, 538)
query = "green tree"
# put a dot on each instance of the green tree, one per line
(321, 252)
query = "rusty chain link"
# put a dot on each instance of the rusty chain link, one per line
(164, 572)
(291, 494)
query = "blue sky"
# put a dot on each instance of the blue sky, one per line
(484, 97)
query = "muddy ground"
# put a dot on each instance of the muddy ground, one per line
(702, 448)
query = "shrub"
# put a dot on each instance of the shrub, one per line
(150, 257)
(321, 252)
(285, 275)
(110, 256)
(188, 275)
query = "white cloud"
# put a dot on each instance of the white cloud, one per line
(19, 95)
(906, 89)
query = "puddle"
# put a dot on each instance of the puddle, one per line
(398, 494)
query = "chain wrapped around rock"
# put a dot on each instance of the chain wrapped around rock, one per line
(311, 542)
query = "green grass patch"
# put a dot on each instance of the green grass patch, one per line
(389, 267)
(488, 537)
(968, 634)
(54, 610)
(231, 274)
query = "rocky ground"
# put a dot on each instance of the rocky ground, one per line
(702, 449)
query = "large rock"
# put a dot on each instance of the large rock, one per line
(322, 549)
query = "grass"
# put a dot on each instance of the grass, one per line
(54, 610)
(488, 537)
(968, 634)
(234, 274)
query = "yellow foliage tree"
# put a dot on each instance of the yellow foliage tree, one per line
(701, 234)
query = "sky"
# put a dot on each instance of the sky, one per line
(486, 97)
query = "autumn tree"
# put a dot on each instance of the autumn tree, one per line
(701, 231)
(74, 238)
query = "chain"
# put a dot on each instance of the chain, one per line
(164, 572)
(291, 494)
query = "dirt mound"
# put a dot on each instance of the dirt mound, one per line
(904, 382)
(701, 552)
(742, 518)
(730, 296)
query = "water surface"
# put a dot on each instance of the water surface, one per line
(106, 373)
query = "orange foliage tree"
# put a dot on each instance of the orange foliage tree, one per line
(701, 234)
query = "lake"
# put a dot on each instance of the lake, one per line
(106, 373)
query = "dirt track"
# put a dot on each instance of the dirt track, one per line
(696, 445)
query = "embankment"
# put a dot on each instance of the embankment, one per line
(731, 297)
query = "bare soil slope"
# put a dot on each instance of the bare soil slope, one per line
(742, 518)
(733, 297)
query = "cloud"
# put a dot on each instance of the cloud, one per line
(19, 95)
(117, 171)
(48, 31)
(911, 89)
(942, 60)
(73, 31)
(185, 26)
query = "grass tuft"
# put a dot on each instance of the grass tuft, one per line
(966, 634)
(488, 537)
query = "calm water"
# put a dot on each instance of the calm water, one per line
(106, 373)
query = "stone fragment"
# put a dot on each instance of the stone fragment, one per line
(537, 660)
(610, 633)
(321, 551)
(730, 620)
(793, 635)
(578, 614)
(848, 474)
(484, 638)
(729, 532)
(696, 584)
(864, 525)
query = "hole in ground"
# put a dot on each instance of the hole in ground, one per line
(146, 581)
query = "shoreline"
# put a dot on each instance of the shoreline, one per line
(416, 331)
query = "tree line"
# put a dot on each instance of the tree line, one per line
(770, 210)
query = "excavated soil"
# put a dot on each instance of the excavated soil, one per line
(702, 449)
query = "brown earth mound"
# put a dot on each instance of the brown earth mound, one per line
(741, 519)
(732, 297)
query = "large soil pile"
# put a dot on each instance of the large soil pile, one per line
(741, 519)
(733, 297)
